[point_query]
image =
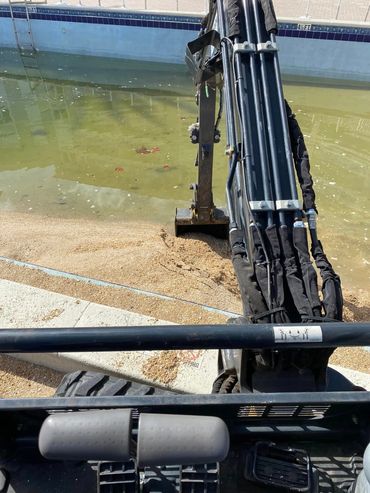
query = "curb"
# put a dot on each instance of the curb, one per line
(184, 371)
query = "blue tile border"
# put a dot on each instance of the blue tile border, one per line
(185, 23)
(322, 31)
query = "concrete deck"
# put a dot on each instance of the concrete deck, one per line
(340, 10)
(328, 10)
(23, 306)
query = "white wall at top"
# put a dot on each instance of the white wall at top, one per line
(310, 57)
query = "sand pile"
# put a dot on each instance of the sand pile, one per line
(195, 268)
(140, 255)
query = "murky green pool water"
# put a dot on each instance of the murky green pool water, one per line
(108, 139)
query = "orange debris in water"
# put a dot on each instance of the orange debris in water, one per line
(119, 169)
(143, 150)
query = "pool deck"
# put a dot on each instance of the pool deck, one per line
(45, 309)
(332, 10)
(349, 11)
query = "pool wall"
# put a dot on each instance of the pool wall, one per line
(311, 49)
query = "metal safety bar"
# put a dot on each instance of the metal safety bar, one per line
(212, 404)
(252, 336)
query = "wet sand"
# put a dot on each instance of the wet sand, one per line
(195, 268)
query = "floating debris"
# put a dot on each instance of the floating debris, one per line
(39, 131)
(145, 150)
(119, 169)
(166, 166)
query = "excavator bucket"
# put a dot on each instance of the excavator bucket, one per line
(217, 223)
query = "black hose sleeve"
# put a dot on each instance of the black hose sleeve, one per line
(301, 161)
(270, 16)
(233, 10)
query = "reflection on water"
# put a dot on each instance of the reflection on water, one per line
(108, 138)
(336, 123)
(107, 148)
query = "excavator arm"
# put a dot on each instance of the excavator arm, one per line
(270, 221)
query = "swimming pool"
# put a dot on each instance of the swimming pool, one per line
(108, 139)
(307, 48)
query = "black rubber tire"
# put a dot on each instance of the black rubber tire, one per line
(88, 383)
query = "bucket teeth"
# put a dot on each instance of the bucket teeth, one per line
(217, 225)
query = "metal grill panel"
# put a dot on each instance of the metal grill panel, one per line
(283, 411)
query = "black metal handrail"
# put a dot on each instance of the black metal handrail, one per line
(211, 404)
(177, 337)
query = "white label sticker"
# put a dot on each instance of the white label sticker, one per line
(298, 333)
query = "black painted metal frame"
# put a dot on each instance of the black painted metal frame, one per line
(212, 404)
(177, 337)
(345, 415)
